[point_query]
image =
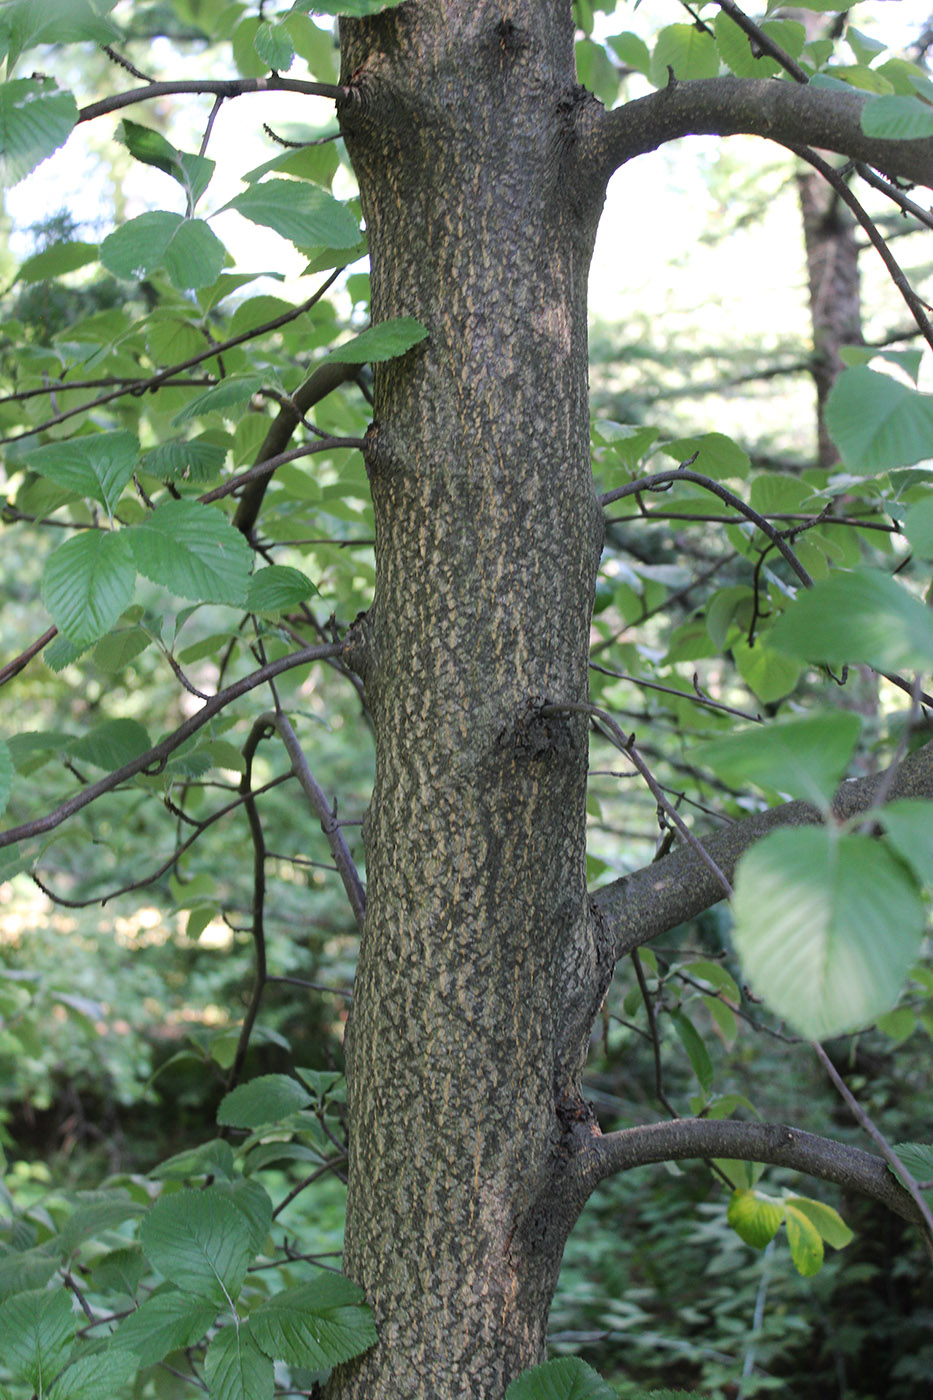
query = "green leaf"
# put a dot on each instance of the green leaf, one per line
(267, 1099)
(87, 583)
(697, 1052)
(188, 249)
(305, 214)
(6, 776)
(357, 9)
(827, 927)
(98, 1377)
(193, 172)
(596, 71)
(382, 342)
(897, 118)
(803, 758)
(908, 822)
(755, 1217)
(235, 1367)
(917, 1157)
(198, 460)
(57, 260)
(112, 744)
(193, 550)
(213, 1158)
(806, 1246)
(768, 672)
(316, 1325)
(273, 44)
(690, 52)
(36, 117)
(34, 22)
(117, 650)
(566, 1379)
(716, 455)
(96, 466)
(200, 1242)
(861, 616)
(631, 50)
(277, 588)
(36, 1332)
(877, 423)
(714, 973)
(231, 393)
(830, 1224)
(918, 527)
(163, 1323)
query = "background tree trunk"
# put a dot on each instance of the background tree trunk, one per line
(465, 1036)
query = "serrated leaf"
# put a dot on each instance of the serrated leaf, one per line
(827, 927)
(188, 250)
(877, 423)
(235, 1367)
(860, 616)
(273, 44)
(56, 261)
(267, 1099)
(689, 51)
(200, 1242)
(382, 342)
(55, 21)
(96, 466)
(87, 583)
(161, 1324)
(806, 1246)
(897, 118)
(697, 1052)
(716, 455)
(277, 588)
(908, 822)
(193, 550)
(631, 50)
(197, 460)
(214, 1158)
(803, 758)
(316, 1325)
(112, 744)
(305, 214)
(231, 393)
(755, 1217)
(36, 117)
(830, 1224)
(768, 672)
(98, 1377)
(6, 776)
(917, 1157)
(253, 1202)
(569, 1378)
(36, 1332)
(114, 652)
(193, 172)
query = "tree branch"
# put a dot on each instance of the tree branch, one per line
(773, 1143)
(155, 758)
(656, 898)
(232, 87)
(787, 113)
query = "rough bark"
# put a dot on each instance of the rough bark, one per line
(481, 168)
(477, 935)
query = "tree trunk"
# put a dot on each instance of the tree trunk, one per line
(474, 992)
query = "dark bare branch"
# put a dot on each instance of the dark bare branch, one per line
(785, 112)
(233, 87)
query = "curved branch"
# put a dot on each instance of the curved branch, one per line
(233, 87)
(154, 759)
(773, 1143)
(656, 898)
(787, 113)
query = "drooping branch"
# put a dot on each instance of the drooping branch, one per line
(656, 898)
(785, 112)
(773, 1143)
